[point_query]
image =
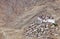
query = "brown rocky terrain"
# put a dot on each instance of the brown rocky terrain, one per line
(15, 15)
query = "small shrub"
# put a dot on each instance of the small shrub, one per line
(55, 24)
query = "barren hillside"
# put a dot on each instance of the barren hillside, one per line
(15, 15)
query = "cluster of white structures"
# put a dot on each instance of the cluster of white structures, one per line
(42, 29)
(46, 20)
